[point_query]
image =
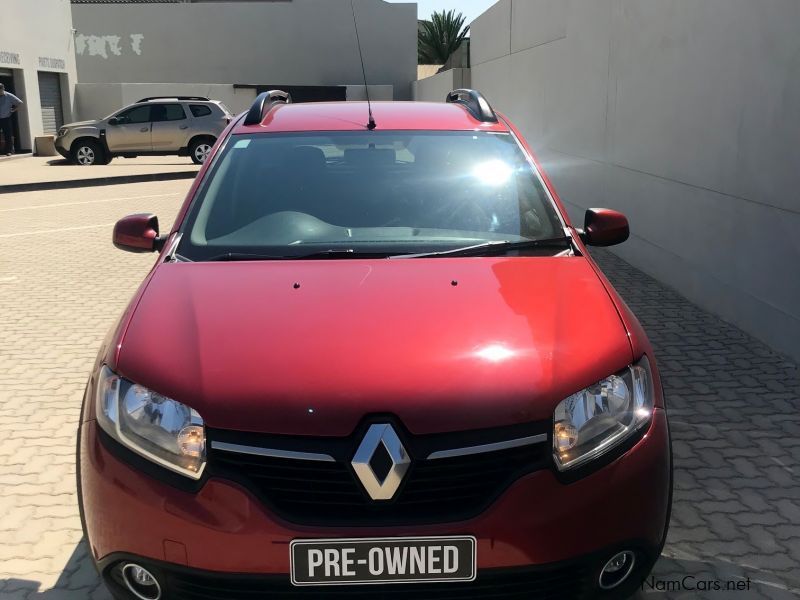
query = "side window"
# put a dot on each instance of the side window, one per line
(167, 112)
(137, 114)
(200, 110)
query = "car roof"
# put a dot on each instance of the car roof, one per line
(175, 100)
(353, 116)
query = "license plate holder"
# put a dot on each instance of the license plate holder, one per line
(394, 560)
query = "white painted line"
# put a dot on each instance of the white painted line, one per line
(43, 231)
(87, 202)
(775, 460)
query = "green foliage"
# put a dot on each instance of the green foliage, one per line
(440, 37)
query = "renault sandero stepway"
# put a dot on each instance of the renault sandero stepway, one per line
(374, 359)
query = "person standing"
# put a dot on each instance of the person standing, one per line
(9, 104)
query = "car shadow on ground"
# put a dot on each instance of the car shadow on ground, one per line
(78, 580)
(117, 162)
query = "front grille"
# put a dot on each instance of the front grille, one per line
(563, 583)
(329, 493)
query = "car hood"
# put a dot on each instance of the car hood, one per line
(311, 347)
(81, 124)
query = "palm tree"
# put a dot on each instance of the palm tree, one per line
(439, 37)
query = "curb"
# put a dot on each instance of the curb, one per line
(97, 181)
(15, 156)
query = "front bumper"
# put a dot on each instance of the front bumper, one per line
(567, 580)
(61, 146)
(225, 533)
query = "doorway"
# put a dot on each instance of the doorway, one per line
(50, 100)
(7, 79)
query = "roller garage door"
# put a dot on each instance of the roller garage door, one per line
(50, 96)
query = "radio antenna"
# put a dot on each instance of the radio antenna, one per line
(371, 124)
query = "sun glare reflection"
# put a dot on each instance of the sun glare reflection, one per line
(495, 353)
(493, 172)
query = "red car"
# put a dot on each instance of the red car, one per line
(374, 359)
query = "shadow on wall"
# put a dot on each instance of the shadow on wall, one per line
(79, 580)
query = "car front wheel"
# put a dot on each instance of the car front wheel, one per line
(200, 149)
(87, 153)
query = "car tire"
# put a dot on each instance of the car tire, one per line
(88, 153)
(200, 148)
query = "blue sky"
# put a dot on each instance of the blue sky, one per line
(470, 8)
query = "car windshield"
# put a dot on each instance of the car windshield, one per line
(376, 193)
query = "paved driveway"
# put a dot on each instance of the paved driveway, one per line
(733, 402)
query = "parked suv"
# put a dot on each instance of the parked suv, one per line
(374, 360)
(186, 126)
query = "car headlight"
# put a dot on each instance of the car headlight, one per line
(62, 132)
(593, 421)
(162, 430)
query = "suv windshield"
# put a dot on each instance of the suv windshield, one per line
(376, 193)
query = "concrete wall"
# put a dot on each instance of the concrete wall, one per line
(683, 114)
(436, 87)
(97, 100)
(298, 42)
(37, 36)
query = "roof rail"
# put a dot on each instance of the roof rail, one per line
(263, 102)
(196, 98)
(475, 103)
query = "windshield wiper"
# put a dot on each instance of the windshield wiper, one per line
(497, 247)
(343, 253)
(237, 256)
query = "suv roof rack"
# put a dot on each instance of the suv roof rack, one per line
(475, 103)
(195, 98)
(264, 102)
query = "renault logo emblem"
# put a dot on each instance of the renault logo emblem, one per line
(381, 462)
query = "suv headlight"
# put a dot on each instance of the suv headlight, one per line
(598, 418)
(162, 430)
(62, 132)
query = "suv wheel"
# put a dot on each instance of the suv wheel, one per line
(200, 149)
(87, 152)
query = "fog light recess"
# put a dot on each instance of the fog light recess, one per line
(617, 569)
(141, 582)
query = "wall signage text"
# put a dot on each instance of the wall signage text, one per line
(9, 58)
(46, 62)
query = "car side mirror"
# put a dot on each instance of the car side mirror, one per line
(138, 233)
(605, 227)
(113, 121)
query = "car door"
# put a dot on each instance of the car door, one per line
(129, 130)
(170, 127)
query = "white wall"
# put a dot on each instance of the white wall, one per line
(683, 114)
(97, 100)
(377, 93)
(436, 87)
(37, 36)
(301, 42)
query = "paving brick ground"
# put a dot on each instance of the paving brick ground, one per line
(733, 406)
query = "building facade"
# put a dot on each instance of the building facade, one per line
(37, 64)
(231, 49)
